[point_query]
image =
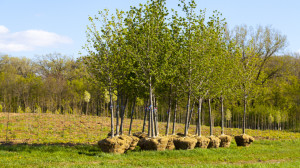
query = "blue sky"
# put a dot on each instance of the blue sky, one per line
(35, 27)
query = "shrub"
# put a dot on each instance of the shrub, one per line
(27, 110)
(57, 112)
(38, 109)
(20, 110)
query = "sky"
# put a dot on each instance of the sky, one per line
(38, 27)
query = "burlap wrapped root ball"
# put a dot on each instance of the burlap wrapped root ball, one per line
(214, 142)
(202, 142)
(225, 141)
(243, 140)
(140, 135)
(185, 143)
(118, 144)
(133, 143)
(170, 145)
(114, 145)
(156, 143)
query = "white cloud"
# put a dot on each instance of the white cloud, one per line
(3, 29)
(29, 40)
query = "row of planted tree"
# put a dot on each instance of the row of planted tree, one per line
(149, 64)
(168, 59)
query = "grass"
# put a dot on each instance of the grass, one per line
(261, 154)
(44, 128)
(51, 140)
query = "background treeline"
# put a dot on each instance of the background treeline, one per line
(58, 86)
(164, 67)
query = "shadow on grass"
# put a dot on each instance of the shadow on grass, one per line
(81, 149)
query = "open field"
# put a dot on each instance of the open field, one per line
(50, 140)
(55, 128)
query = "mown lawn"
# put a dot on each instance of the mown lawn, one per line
(261, 154)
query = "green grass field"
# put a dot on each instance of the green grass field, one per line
(48, 140)
(261, 154)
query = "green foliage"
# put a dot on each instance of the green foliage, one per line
(150, 51)
(28, 110)
(87, 96)
(19, 110)
(55, 112)
(228, 114)
(38, 109)
(139, 101)
(270, 118)
(1, 108)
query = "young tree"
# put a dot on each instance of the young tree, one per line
(101, 60)
(147, 26)
(87, 97)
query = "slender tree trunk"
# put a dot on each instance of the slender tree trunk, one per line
(174, 119)
(169, 112)
(210, 118)
(244, 118)
(255, 118)
(238, 119)
(222, 113)
(117, 114)
(187, 114)
(122, 115)
(191, 115)
(203, 115)
(199, 117)
(132, 111)
(155, 118)
(87, 106)
(7, 126)
(111, 112)
(151, 124)
(145, 118)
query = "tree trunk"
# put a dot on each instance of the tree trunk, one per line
(187, 114)
(210, 118)
(122, 115)
(117, 114)
(191, 115)
(244, 118)
(145, 118)
(132, 111)
(199, 117)
(203, 115)
(7, 126)
(174, 119)
(111, 112)
(222, 113)
(151, 124)
(169, 112)
(156, 130)
(87, 106)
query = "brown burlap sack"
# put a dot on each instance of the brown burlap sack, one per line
(243, 140)
(214, 142)
(185, 142)
(225, 141)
